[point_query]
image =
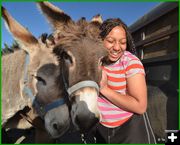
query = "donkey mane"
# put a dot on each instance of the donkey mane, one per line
(9, 50)
(73, 32)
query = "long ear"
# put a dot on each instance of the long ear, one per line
(97, 19)
(54, 15)
(21, 34)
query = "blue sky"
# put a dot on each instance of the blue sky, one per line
(29, 16)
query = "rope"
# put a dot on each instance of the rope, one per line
(146, 115)
(28, 119)
(147, 129)
(83, 138)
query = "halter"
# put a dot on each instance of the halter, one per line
(40, 108)
(82, 84)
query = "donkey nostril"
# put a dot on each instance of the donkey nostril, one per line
(55, 126)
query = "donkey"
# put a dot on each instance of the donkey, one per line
(79, 52)
(31, 77)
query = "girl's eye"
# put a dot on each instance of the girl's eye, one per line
(39, 79)
(123, 43)
(110, 41)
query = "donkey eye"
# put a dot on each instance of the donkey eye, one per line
(40, 80)
(67, 58)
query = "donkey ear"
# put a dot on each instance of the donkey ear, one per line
(97, 19)
(21, 34)
(55, 16)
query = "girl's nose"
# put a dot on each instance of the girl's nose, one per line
(117, 46)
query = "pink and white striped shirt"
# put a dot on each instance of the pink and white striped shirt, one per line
(117, 73)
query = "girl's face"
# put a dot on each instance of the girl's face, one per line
(116, 43)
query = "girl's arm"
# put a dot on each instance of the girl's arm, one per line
(136, 99)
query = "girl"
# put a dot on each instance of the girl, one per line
(123, 99)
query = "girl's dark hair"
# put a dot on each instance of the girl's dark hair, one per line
(109, 24)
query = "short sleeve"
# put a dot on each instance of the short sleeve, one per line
(134, 66)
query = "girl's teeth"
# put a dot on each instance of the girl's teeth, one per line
(114, 53)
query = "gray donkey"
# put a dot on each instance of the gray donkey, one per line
(31, 77)
(79, 50)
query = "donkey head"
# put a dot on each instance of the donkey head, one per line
(43, 78)
(79, 51)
